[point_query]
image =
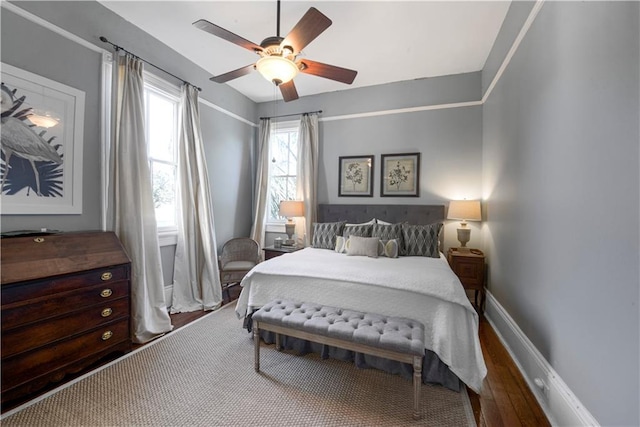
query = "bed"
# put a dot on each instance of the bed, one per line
(418, 287)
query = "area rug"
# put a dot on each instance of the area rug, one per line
(203, 375)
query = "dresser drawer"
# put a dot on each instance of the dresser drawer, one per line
(34, 335)
(29, 366)
(29, 311)
(17, 292)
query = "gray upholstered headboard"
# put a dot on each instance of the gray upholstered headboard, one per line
(413, 214)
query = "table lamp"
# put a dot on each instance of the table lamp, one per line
(290, 209)
(465, 210)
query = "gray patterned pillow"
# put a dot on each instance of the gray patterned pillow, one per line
(389, 232)
(358, 230)
(324, 234)
(421, 240)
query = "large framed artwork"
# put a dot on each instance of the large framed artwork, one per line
(41, 145)
(400, 175)
(356, 176)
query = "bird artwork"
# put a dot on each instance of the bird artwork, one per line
(29, 160)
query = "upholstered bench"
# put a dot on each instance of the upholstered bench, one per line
(393, 338)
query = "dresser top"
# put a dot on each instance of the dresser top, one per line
(31, 258)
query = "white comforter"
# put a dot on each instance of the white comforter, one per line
(420, 288)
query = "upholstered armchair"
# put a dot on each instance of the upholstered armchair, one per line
(237, 257)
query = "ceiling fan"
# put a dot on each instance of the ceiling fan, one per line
(278, 61)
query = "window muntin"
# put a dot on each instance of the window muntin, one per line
(162, 104)
(283, 151)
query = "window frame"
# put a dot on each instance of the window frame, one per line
(167, 235)
(277, 225)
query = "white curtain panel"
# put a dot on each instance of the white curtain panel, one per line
(132, 206)
(307, 185)
(262, 183)
(196, 283)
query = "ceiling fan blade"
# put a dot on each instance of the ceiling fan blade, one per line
(223, 78)
(227, 35)
(288, 90)
(327, 71)
(310, 26)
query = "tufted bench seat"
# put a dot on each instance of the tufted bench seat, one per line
(393, 338)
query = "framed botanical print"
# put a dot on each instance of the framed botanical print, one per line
(400, 175)
(355, 176)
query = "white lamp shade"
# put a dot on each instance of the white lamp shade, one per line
(465, 210)
(277, 69)
(291, 208)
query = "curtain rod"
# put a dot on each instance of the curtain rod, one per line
(117, 48)
(292, 114)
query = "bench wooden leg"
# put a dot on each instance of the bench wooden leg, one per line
(278, 346)
(417, 383)
(256, 347)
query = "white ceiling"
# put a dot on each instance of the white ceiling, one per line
(385, 41)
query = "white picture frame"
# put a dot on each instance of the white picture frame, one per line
(55, 152)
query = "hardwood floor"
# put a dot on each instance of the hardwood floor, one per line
(505, 400)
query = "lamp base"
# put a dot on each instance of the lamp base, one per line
(290, 228)
(464, 235)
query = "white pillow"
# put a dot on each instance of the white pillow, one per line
(388, 248)
(341, 244)
(363, 246)
(381, 222)
(370, 222)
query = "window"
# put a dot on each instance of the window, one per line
(283, 146)
(162, 102)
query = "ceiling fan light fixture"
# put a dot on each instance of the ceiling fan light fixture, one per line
(277, 69)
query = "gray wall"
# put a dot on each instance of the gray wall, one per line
(561, 183)
(227, 140)
(66, 62)
(229, 162)
(449, 140)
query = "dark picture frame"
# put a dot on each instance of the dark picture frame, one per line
(355, 176)
(400, 175)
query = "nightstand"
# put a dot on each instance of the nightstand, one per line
(469, 266)
(272, 252)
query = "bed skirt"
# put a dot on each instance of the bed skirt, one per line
(434, 371)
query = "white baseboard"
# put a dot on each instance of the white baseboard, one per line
(558, 402)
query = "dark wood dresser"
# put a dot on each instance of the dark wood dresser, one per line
(65, 305)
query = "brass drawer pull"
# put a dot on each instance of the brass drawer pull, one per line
(39, 239)
(106, 276)
(106, 312)
(106, 293)
(107, 335)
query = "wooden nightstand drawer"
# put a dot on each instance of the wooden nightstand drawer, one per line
(470, 271)
(469, 266)
(272, 252)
